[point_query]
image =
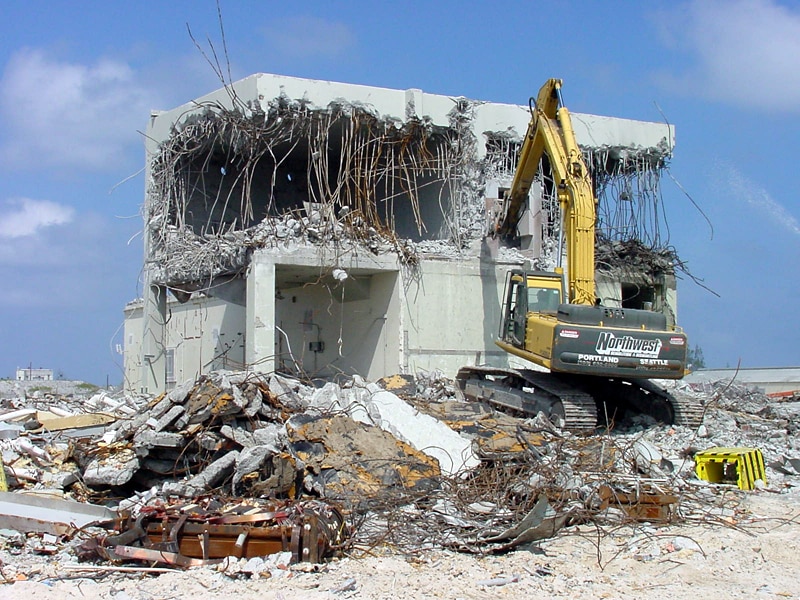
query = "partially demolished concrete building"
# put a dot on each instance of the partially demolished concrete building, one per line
(328, 229)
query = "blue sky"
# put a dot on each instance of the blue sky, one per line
(78, 80)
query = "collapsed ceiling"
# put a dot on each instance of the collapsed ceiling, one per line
(228, 180)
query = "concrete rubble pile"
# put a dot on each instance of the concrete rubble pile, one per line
(321, 469)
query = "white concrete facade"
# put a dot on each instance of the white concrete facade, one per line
(201, 335)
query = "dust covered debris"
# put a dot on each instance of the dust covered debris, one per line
(233, 436)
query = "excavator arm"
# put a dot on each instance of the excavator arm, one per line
(550, 132)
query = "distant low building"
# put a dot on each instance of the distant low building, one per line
(29, 374)
(776, 380)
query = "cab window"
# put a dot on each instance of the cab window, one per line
(543, 299)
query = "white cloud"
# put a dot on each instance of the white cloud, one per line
(80, 265)
(58, 113)
(746, 190)
(310, 37)
(747, 52)
(22, 217)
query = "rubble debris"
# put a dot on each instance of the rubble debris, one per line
(541, 522)
(351, 461)
(83, 425)
(421, 431)
(405, 158)
(644, 504)
(209, 469)
(786, 465)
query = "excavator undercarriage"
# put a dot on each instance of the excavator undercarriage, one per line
(576, 403)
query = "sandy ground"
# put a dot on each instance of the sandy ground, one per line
(755, 557)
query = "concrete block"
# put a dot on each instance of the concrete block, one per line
(160, 408)
(59, 478)
(179, 393)
(208, 440)
(236, 434)
(328, 398)
(291, 393)
(239, 398)
(172, 414)
(126, 429)
(114, 470)
(254, 403)
(183, 421)
(174, 488)
(249, 461)
(159, 439)
(273, 435)
(213, 474)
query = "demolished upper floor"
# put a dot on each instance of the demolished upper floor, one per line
(271, 161)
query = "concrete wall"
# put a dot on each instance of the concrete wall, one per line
(330, 333)
(609, 289)
(451, 315)
(590, 130)
(443, 316)
(203, 334)
(382, 320)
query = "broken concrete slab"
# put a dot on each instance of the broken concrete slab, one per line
(351, 461)
(48, 515)
(212, 475)
(95, 421)
(371, 404)
(148, 439)
(289, 392)
(250, 460)
(541, 522)
(423, 432)
(238, 434)
(173, 413)
(112, 469)
(272, 435)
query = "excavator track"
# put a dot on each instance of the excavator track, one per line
(686, 410)
(530, 392)
(573, 401)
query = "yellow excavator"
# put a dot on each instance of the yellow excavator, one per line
(597, 361)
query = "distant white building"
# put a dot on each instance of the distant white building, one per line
(774, 380)
(30, 374)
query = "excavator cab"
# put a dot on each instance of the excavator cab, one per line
(540, 326)
(528, 293)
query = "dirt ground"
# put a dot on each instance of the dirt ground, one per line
(755, 555)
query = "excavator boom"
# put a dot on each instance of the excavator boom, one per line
(550, 131)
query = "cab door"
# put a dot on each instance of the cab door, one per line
(512, 329)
